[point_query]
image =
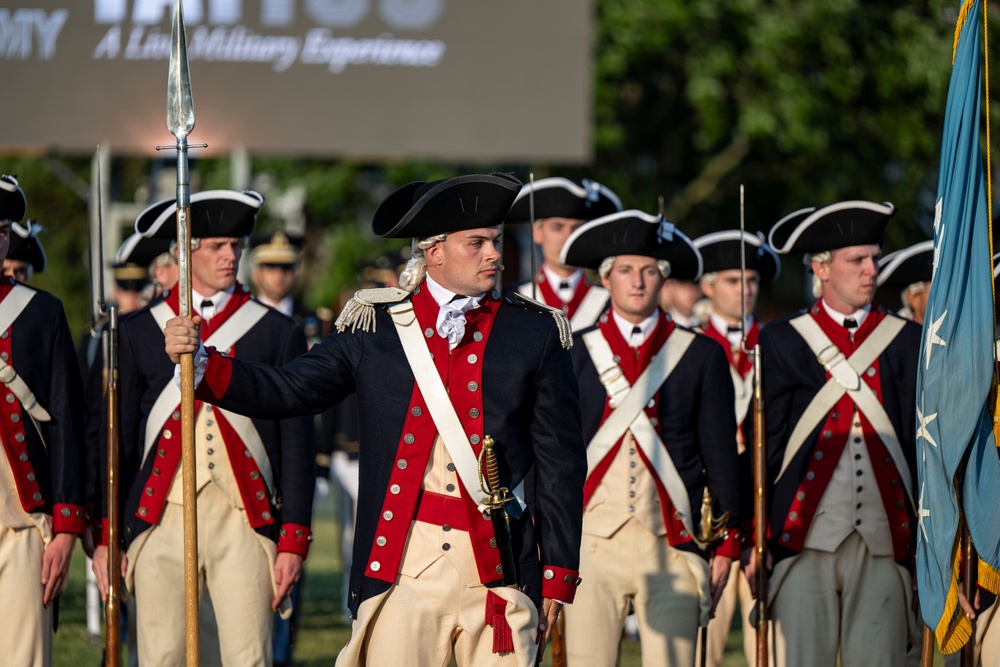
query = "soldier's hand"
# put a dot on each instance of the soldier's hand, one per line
(99, 566)
(547, 621)
(55, 565)
(748, 559)
(969, 609)
(287, 571)
(182, 336)
(721, 565)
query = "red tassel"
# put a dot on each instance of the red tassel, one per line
(503, 638)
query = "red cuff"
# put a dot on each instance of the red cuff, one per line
(67, 518)
(560, 584)
(295, 539)
(732, 545)
(218, 373)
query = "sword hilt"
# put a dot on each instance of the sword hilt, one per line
(497, 496)
(712, 529)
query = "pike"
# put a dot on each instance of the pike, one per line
(180, 123)
(759, 458)
(531, 214)
(104, 318)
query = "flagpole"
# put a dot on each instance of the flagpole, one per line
(969, 579)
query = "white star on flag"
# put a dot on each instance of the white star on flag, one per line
(922, 432)
(931, 338)
(922, 514)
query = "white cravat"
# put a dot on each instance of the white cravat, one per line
(451, 316)
(565, 294)
(632, 337)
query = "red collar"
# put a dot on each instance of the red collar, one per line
(838, 334)
(551, 297)
(742, 361)
(240, 295)
(633, 361)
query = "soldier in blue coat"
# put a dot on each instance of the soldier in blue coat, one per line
(42, 489)
(255, 476)
(438, 366)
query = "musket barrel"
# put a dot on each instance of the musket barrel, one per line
(112, 611)
(760, 509)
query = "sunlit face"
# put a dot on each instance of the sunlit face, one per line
(214, 264)
(849, 277)
(679, 296)
(466, 262)
(551, 235)
(16, 269)
(274, 281)
(634, 283)
(726, 294)
(918, 303)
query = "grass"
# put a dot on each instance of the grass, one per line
(322, 632)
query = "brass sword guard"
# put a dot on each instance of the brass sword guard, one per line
(712, 529)
(496, 496)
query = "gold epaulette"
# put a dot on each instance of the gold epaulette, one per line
(562, 323)
(359, 312)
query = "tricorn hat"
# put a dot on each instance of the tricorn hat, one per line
(422, 209)
(140, 251)
(904, 267)
(279, 248)
(632, 233)
(840, 225)
(25, 246)
(562, 198)
(720, 251)
(214, 213)
(12, 201)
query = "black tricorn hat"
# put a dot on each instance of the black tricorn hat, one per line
(907, 266)
(12, 201)
(720, 251)
(279, 248)
(632, 233)
(558, 197)
(137, 250)
(214, 214)
(25, 246)
(840, 225)
(422, 209)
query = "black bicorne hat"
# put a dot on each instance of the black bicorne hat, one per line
(421, 209)
(214, 214)
(279, 248)
(25, 246)
(720, 251)
(12, 201)
(562, 198)
(840, 225)
(632, 233)
(904, 267)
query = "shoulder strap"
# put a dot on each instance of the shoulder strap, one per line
(629, 415)
(438, 402)
(238, 324)
(590, 308)
(845, 378)
(12, 307)
(14, 304)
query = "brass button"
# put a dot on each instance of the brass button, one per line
(65, 511)
(394, 489)
(143, 511)
(549, 574)
(428, 332)
(176, 415)
(381, 541)
(266, 516)
(474, 439)
(387, 515)
(19, 437)
(794, 516)
(416, 411)
(477, 336)
(162, 452)
(473, 413)
(168, 435)
(10, 398)
(401, 464)
(254, 475)
(493, 542)
(408, 438)
(376, 566)
(23, 456)
(800, 496)
(473, 358)
(260, 495)
(149, 490)
(31, 477)
(473, 386)
(15, 417)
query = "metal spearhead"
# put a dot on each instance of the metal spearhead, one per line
(180, 106)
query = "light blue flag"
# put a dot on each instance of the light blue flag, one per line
(956, 357)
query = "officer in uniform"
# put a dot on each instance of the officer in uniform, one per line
(839, 390)
(657, 402)
(561, 206)
(41, 472)
(275, 258)
(909, 270)
(722, 282)
(254, 477)
(25, 256)
(439, 365)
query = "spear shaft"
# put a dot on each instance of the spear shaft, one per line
(180, 122)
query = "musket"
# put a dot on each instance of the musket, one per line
(759, 458)
(105, 317)
(711, 529)
(180, 123)
(531, 214)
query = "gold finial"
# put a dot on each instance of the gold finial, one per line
(712, 529)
